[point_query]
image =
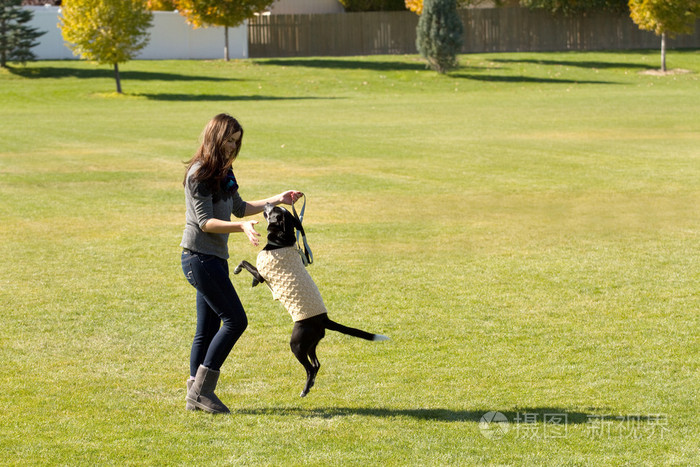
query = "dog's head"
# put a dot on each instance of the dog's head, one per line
(281, 224)
(274, 215)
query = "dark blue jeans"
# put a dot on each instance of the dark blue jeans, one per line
(221, 318)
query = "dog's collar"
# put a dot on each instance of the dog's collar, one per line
(277, 244)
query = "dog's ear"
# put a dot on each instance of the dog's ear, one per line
(267, 209)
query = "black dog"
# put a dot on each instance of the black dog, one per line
(285, 274)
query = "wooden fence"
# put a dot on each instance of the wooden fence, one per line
(486, 30)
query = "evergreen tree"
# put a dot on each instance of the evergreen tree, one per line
(16, 37)
(440, 34)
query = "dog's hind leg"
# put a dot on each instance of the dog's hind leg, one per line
(301, 354)
(303, 344)
(314, 359)
(313, 371)
(315, 364)
(257, 278)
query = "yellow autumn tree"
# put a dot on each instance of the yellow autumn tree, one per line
(107, 31)
(161, 5)
(665, 17)
(415, 6)
(226, 13)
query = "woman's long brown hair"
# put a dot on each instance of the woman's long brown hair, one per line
(211, 154)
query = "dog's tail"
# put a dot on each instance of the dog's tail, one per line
(333, 326)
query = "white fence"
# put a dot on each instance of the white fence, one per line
(171, 38)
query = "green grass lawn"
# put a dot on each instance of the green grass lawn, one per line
(525, 229)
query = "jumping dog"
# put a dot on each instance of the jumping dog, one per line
(280, 266)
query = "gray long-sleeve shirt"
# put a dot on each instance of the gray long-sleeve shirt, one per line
(200, 207)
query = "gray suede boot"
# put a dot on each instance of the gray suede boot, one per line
(201, 393)
(189, 406)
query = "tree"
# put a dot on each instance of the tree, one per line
(226, 13)
(440, 34)
(16, 37)
(107, 31)
(416, 6)
(573, 7)
(372, 5)
(161, 5)
(665, 18)
(567, 7)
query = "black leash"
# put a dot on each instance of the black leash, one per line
(307, 256)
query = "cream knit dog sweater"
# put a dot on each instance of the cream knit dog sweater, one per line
(290, 283)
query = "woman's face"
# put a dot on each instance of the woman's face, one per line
(232, 143)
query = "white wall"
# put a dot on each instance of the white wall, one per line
(171, 38)
(51, 45)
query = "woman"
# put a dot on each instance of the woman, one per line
(211, 196)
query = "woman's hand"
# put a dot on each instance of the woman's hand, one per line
(290, 197)
(248, 228)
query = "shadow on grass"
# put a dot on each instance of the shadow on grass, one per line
(349, 64)
(525, 415)
(354, 64)
(593, 65)
(81, 73)
(218, 97)
(524, 79)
